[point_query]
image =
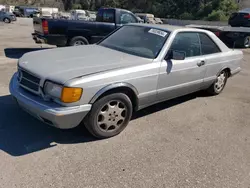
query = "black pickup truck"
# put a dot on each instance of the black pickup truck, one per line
(61, 32)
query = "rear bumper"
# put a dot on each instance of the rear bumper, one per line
(59, 40)
(48, 112)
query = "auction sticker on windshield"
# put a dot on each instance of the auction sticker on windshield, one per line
(158, 32)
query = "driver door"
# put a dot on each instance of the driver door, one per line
(180, 77)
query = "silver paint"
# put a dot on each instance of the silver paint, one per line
(98, 69)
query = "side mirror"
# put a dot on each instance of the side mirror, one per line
(176, 55)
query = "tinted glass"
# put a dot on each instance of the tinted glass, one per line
(140, 41)
(207, 45)
(127, 18)
(188, 43)
(106, 16)
(30, 10)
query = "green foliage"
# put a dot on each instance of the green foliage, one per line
(186, 16)
(179, 9)
(222, 9)
(217, 15)
(76, 6)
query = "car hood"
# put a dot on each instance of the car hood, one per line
(63, 64)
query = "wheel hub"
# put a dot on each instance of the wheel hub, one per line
(79, 43)
(247, 42)
(111, 116)
(220, 82)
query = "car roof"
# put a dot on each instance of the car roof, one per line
(165, 27)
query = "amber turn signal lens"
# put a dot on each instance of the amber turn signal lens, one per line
(70, 94)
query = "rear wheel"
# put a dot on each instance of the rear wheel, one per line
(109, 115)
(246, 42)
(78, 41)
(220, 83)
(6, 20)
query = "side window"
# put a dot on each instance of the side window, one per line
(188, 43)
(106, 16)
(207, 45)
(126, 17)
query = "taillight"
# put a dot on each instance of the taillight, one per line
(45, 26)
(217, 33)
(247, 16)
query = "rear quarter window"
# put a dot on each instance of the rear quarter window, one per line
(106, 15)
(208, 46)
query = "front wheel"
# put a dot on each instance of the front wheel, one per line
(217, 87)
(6, 20)
(109, 116)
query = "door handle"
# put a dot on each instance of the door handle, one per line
(201, 63)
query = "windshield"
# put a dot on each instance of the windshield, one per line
(136, 40)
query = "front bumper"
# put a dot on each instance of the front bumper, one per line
(48, 112)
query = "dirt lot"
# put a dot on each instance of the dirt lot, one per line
(193, 141)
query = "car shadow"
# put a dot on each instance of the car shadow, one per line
(16, 53)
(21, 134)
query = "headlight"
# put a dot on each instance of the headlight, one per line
(53, 89)
(65, 94)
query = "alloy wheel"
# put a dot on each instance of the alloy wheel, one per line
(111, 116)
(79, 43)
(247, 42)
(221, 81)
(6, 20)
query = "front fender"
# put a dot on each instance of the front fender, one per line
(113, 86)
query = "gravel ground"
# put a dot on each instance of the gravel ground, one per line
(193, 141)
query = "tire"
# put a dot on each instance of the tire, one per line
(246, 42)
(78, 41)
(243, 42)
(109, 115)
(218, 86)
(7, 20)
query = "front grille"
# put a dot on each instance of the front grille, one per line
(28, 81)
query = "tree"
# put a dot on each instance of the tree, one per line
(67, 4)
(180, 9)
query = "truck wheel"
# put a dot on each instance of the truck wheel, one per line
(217, 87)
(109, 116)
(6, 20)
(246, 42)
(78, 41)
